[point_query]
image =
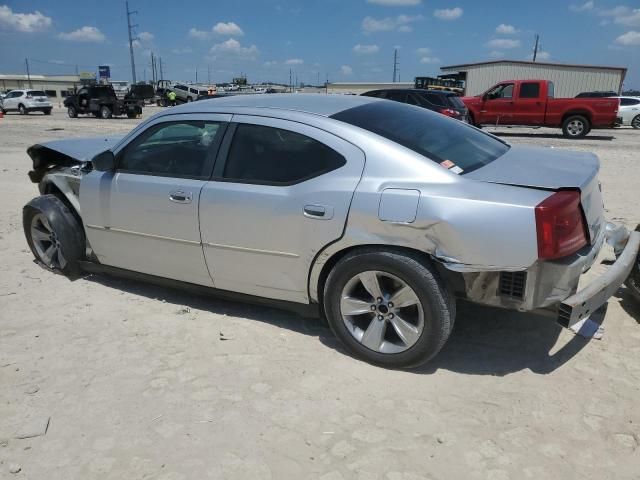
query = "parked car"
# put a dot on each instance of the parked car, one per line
(444, 102)
(101, 101)
(532, 103)
(597, 94)
(188, 93)
(26, 101)
(630, 111)
(378, 213)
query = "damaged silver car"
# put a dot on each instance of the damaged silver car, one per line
(378, 215)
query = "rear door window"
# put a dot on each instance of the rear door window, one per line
(627, 102)
(36, 93)
(273, 156)
(397, 96)
(530, 90)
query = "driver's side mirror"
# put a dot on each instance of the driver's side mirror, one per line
(104, 162)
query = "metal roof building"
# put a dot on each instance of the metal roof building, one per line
(569, 79)
(356, 88)
(55, 86)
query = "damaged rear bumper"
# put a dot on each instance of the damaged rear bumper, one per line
(581, 304)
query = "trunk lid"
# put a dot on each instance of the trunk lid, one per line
(550, 169)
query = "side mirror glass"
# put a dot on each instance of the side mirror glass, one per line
(104, 162)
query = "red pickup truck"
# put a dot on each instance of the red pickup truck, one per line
(532, 103)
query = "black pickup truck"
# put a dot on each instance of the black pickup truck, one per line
(101, 101)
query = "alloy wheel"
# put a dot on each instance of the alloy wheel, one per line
(382, 312)
(46, 243)
(575, 127)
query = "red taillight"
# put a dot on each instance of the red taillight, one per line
(561, 229)
(449, 112)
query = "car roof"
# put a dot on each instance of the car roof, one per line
(415, 90)
(314, 103)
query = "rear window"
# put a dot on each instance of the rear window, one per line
(427, 133)
(626, 102)
(530, 90)
(455, 101)
(36, 93)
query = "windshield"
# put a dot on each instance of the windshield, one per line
(455, 101)
(435, 136)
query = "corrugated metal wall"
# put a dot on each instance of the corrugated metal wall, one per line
(569, 81)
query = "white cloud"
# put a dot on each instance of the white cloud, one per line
(630, 38)
(233, 47)
(388, 24)
(424, 51)
(396, 3)
(23, 22)
(294, 61)
(623, 15)
(498, 43)
(346, 70)
(366, 49)
(230, 29)
(586, 6)
(428, 60)
(198, 34)
(448, 13)
(84, 34)
(146, 37)
(504, 29)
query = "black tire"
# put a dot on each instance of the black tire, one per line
(189, 99)
(435, 298)
(633, 280)
(68, 233)
(131, 115)
(47, 111)
(72, 112)
(105, 112)
(575, 126)
(635, 122)
(22, 110)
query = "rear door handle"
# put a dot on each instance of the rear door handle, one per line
(318, 212)
(180, 196)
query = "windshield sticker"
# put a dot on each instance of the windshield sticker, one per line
(447, 164)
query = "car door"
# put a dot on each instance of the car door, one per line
(529, 106)
(11, 102)
(629, 109)
(281, 192)
(497, 105)
(144, 215)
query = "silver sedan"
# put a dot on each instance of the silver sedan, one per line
(376, 214)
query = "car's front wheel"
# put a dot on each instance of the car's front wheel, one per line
(635, 122)
(53, 234)
(72, 112)
(389, 308)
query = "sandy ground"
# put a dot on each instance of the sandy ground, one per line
(137, 382)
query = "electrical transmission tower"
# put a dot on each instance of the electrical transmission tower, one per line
(131, 39)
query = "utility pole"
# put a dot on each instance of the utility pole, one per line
(153, 69)
(161, 74)
(290, 79)
(395, 65)
(129, 29)
(535, 48)
(208, 75)
(26, 62)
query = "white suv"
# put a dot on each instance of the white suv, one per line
(25, 101)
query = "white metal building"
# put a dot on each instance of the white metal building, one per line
(55, 86)
(361, 87)
(569, 80)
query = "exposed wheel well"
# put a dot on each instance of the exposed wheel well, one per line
(582, 113)
(51, 189)
(453, 280)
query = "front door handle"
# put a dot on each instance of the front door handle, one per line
(318, 212)
(180, 196)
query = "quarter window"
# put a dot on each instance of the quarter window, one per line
(274, 156)
(173, 149)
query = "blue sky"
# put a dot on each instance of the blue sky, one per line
(346, 40)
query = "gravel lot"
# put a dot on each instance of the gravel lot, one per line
(131, 381)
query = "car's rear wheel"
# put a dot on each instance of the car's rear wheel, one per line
(389, 308)
(132, 114)
(575, 126)
(22, 110)
(635, 122)
(105, 112)
(53, 234)
(72, 112)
